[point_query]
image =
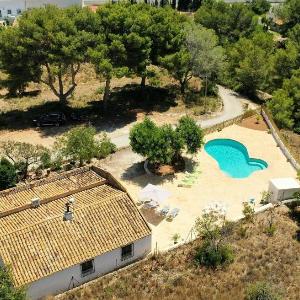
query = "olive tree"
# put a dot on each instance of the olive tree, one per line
(199, 55)
(78, 144)
(213, 229)
(23, 155)
(81, 144)
(164, 145)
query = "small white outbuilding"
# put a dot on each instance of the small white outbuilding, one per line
(283, 188)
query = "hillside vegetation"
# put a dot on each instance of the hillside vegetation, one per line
(174, 275)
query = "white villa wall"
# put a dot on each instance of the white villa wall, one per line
(71, 277)
(13, 5)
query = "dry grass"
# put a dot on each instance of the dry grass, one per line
(162, 98)
(293, 140)
(173, 275)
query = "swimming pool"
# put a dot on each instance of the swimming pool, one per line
(233, 158)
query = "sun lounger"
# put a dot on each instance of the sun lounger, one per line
(151, 204)
(173, 213)
(165, 210)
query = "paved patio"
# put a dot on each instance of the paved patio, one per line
(212, 186)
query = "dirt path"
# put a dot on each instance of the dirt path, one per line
(232, 107)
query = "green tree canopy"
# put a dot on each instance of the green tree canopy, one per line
(294, 36)
(23, 155)
(60, 47)
(281, 106)
(289, 12)
(199, 55)
(249, 63)
(229, 21)
(17, 62)
(283, 62)
(191, 134)
(8, 174)
(78, 144)
(179, 65)
(285, 104)
(164, 145)
(7, 289)
(260, 6)
(207, 57)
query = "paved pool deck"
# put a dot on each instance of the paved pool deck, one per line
(213, 185)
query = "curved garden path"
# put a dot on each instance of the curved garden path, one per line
(232, 107)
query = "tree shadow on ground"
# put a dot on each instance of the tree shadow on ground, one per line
(137, 175)
(135, 170)
(148, 98)
(124, 105)
(143, 178)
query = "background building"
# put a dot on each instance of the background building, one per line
(13, 8)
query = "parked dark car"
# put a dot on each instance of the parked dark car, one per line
(52, 119)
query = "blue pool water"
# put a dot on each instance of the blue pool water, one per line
(233, 158)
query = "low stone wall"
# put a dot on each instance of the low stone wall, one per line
(230, 122)
(279, 140)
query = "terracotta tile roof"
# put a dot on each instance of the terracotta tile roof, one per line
(20, 197)
(36, 242)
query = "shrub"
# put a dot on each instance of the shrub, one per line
(163, 145)
(105, 147)
(261, 291)
(8, 174)
(248, 212)
(210, 256)
(46, 160)
(265, 197)
(213, 228)
(7, 289)
(191, 133)
(78, 144)
(243, 231)
(57, 163)
(175, 237)
(271, 229)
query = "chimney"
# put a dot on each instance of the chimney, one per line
(68, 214)
(35, 202)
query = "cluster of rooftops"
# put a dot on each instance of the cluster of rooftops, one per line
(58, 222)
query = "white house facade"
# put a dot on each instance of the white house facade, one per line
(68, 229)
(9, 8)
(72, 277)
(13, 8)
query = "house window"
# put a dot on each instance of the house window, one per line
(87, 268)
(9, 11)
(19, 11)
(126, 252)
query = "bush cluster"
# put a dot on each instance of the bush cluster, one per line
(210, 256)
(164, 145)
